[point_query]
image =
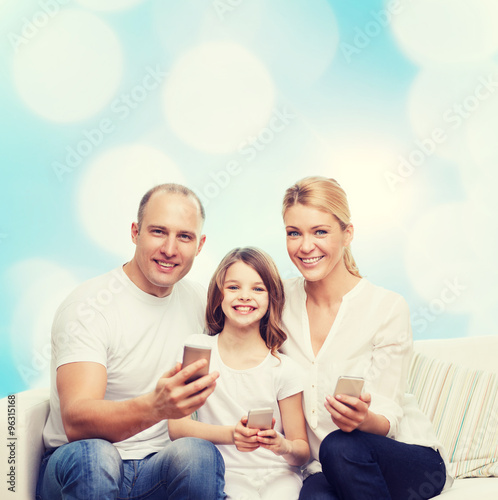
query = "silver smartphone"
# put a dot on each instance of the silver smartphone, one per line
(260, 418)
(192, 353)
(351, 386)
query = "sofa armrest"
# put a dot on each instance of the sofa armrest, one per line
(24, 449)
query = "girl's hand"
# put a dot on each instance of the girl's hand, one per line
(348, 418)
(274, 441)
(245, 439)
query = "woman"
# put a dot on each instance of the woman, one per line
(380, 445)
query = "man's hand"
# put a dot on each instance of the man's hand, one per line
(86, 414)
(172, 398)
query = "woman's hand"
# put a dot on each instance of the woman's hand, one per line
(245, 439)
(347, 412)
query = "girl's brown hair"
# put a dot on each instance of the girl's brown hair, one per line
(269, 326)
(328, 196)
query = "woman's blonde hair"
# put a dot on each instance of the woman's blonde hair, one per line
(328, 196)
(269, 326)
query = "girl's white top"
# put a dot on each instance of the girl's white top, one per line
(238, 391)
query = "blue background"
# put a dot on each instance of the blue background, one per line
(238, 99)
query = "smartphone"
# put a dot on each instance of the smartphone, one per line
(260, 418)
(192, 353)
(351, 386)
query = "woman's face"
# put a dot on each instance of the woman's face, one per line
(315, 241)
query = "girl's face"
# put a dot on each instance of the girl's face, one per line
(245, 297)
(315, 241)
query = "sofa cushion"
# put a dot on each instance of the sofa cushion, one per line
(462, 404)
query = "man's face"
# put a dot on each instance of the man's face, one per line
(167, 243)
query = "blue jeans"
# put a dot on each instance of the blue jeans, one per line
(92, 469)
(360, 465)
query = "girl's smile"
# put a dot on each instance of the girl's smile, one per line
(244, 309)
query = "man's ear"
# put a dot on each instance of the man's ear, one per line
(134, 232)
(201, 244)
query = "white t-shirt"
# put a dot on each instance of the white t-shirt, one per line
(238, 391)
(371, 337)
(135, 335)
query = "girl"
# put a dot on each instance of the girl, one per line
(381, 446)
(244, 307)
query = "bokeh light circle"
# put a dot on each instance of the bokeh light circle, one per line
(445, 103)
(70, 68)
(39, 286)
(433, 32)
(442, 263)
(217, 96)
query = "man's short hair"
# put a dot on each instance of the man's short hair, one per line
(167, 188)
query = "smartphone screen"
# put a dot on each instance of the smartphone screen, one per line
(192, 353)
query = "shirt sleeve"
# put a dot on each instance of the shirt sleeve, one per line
(391, 356)
(79, 333)
(291, 378)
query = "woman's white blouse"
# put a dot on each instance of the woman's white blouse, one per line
(371, 337)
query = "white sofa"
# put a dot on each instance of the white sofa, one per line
(447, 381)
(31, 412)
(473, 352)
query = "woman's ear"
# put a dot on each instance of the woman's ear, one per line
(348, 235)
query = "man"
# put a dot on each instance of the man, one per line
(112, 338)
